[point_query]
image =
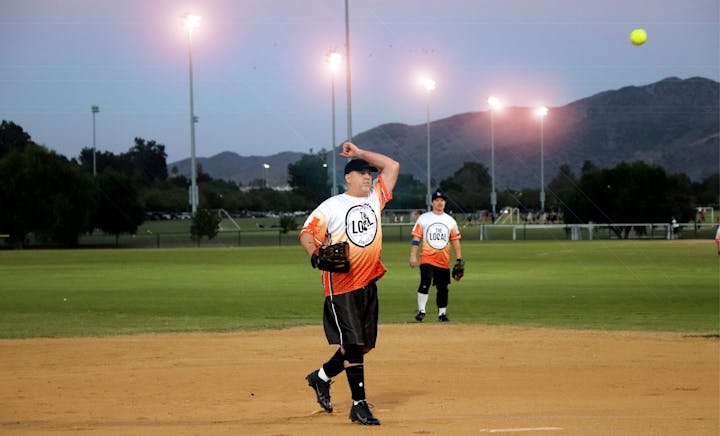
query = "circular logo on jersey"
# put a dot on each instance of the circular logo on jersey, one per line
(437, 235)
(361, 225)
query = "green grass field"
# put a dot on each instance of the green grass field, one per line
(616, 285)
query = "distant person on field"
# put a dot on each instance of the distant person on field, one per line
(675, 228)
(435, 231)
(717, 238)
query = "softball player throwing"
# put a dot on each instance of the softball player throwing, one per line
(351, 303)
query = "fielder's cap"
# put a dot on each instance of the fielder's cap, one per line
(439, 194)
(359, 165)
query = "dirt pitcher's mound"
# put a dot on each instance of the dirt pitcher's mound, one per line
(425, 378)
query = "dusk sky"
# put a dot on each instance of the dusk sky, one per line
(262, 86)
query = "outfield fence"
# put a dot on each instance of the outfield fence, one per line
(573, 232)
(397, 232)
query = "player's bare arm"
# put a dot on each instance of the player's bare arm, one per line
(387, 166)
(413, 252)
(456, 248)
(307, 241)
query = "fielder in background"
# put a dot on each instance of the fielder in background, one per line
(675, 228)
(435, 231)
(717, 238)
(350, 223)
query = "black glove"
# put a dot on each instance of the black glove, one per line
(458, 270)
(333, 258)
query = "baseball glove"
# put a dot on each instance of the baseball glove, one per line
(333, 258)
(458, 270)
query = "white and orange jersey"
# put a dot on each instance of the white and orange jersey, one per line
(436, 232)
(357, 221)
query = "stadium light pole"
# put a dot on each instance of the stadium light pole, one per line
(494, 103)
(192, 22)
(267, 169)
(429, 85)
(333, 59)
(542, 113)
(347, 71)
(94, 109)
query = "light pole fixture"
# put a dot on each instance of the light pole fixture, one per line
(267, 168)
(494, 103)
(333, 59)
(430, 86)
(542, 113)
(192, 22)
(94, 109)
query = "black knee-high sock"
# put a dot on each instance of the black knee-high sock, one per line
(334, 366)
(355, 371)
(442, 296)
(356, 379)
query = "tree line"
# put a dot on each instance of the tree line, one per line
(55, 199)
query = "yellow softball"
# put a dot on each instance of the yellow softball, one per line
(638, 36)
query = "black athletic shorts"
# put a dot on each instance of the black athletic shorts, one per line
(431, 274)
(352, 317)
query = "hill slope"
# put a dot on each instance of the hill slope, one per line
(672, 123)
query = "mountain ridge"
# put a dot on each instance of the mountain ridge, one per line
(673, 123)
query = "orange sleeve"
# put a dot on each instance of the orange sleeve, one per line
(385, 194)
(313, 228)
(417, 231)
(455, 235)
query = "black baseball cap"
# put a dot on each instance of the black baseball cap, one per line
(438, 194)
(359, 165)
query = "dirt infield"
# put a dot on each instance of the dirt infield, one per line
(422, 379)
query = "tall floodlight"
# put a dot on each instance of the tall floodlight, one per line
(542, 113)
(333, 59)
(192, 22)
(267, 169)
(347, 71)
(429, 85)
(94, 109)
(494, 103)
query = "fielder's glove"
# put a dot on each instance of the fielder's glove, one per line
(333, 258)
(458, 270)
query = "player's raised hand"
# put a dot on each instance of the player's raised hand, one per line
(349, 150)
